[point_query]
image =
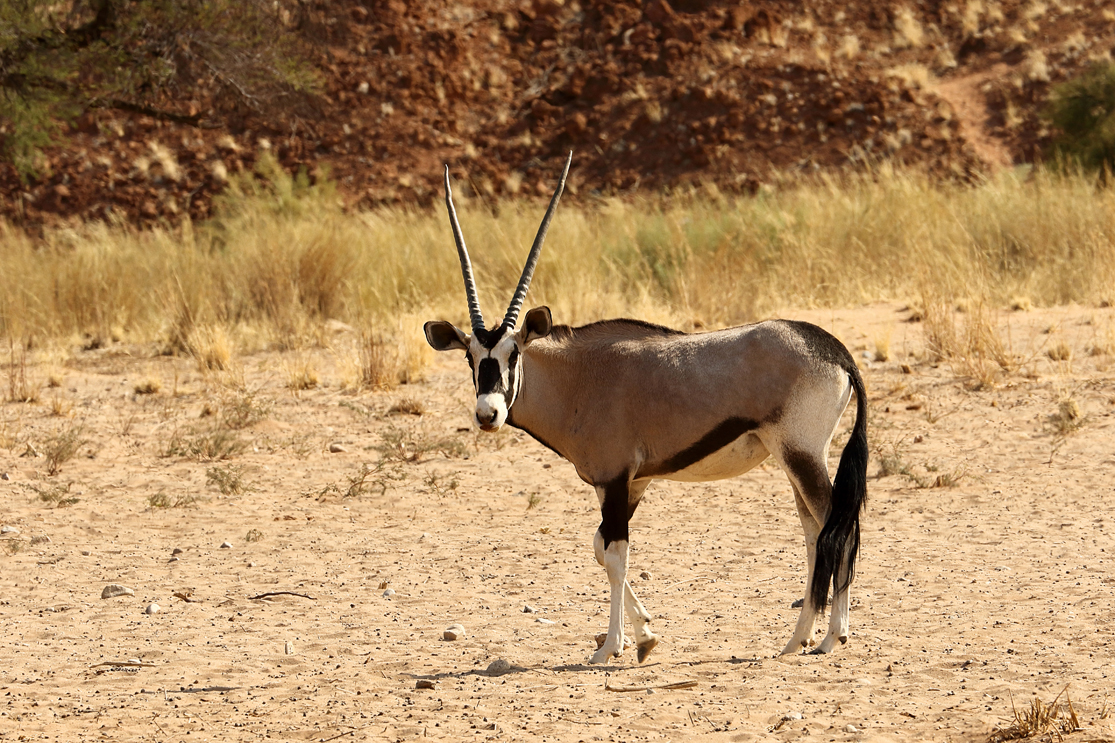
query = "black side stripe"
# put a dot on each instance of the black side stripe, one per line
(713, 441)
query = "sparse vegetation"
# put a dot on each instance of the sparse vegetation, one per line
(207, 444)
(162, 500)
(1040, 719)
(229, 480)
(55, 495)
(1083, 110)
(61, 447)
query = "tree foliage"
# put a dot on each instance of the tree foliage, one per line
(190, 61)
(1083, 110)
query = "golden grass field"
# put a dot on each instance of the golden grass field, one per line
(262, 380)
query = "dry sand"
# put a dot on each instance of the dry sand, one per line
(997, 583)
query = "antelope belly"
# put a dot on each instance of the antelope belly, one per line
(734, 459)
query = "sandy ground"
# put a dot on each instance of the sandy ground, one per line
(985, 573)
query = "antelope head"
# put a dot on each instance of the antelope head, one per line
(495, 355)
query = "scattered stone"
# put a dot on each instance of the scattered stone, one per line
(177, 551)
(289, 648)
(251, 564)
(4, 476)
(152, 609)
(86, 553)
(43, 539)
(226, 545)
(335, 448)
(423, 684)
(498, 667)
(9, 530)
(173, 559)
(112, 590)
(453, 632)
(604, 636)
(645, 575)
(528, 609)
(389, 593)
(798, 604)
(540, 620)
(851, 729)
(791, 716)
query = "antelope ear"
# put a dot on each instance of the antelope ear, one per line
(444, 336)
(538, 324)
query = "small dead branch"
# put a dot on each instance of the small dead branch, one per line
(666, 687)
(280, 593)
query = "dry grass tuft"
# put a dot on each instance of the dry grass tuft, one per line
(1040, 719)
(302, 375)
(149, 385)
(22, 385)
(1060, 351)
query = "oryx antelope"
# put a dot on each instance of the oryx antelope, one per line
(628, 402)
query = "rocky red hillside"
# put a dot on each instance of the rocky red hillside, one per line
(649, 96)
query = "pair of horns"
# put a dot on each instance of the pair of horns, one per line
(516, 305)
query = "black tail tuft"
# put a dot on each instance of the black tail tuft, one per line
(838, 543)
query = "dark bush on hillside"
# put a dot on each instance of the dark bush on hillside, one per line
(1083, 110)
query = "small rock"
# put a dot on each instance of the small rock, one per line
(389, 593)
(363, 88)
(453, 632)
(152, 609)
(251, 564)
(337, 449)
(645, 575)
(40, 540)
(4, 476)
(86, 553)
(528, 609)
(798, 604)
(540, 620)
(9, 530)
(604, 636)
(289, 648)
(498, 667)
(177, 551)
(791, 716)
(423, 684)
(851, 729)
(226, 545)
(173, 559)
(112, 590)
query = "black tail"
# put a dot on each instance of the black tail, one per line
(839, 539)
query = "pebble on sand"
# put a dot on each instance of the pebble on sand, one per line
(9, 530)
(453, 632)
(226, 545)
(498, 667)
(152, 609)
(337, 449)
(112, 590)
(389, 593)
(423, 684)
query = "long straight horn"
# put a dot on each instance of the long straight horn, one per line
(466, 265)
(532, 259)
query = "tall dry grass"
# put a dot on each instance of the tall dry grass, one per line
(284, 256)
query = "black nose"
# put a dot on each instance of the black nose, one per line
(486, 419)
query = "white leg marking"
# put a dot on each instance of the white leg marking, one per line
(803, 632)
(645, 640)
(615, 562)
(838, 618)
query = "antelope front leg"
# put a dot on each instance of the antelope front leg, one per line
(614, 559)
